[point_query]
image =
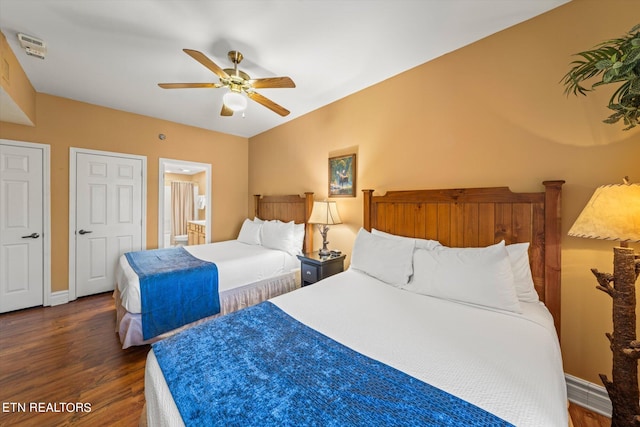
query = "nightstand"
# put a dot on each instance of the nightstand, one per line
(314, 267)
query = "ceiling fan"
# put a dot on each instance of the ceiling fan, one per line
(238, 82)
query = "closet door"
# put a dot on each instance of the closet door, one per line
(21, 227)
(108, 217)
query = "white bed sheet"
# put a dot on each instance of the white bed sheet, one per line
(238, 264)
(508, 364)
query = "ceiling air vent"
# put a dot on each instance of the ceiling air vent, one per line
(32, 46)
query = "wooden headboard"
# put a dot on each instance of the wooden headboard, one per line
(475, 217)
(287, 208)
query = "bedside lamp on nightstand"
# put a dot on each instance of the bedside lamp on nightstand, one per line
(324, 214)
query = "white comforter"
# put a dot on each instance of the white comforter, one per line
(238, 264)
(505, 363)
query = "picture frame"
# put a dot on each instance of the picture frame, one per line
(342, 176)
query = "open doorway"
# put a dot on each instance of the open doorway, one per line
(192, 177)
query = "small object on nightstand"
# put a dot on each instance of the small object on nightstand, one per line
(316, 267)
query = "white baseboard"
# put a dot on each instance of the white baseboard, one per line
(60, 297)
(588, 395)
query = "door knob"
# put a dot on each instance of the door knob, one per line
(84, 232)
(31, 236)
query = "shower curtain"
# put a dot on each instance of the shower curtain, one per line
(181, 207)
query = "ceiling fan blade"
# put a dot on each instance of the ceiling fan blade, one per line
(272, 82)
(187, 85)
(204, 60)
(226, 111)
(268, 103)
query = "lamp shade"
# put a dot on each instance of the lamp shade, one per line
(613, 213)
(325, 213)
(234, 101)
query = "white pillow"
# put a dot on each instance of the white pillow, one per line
(298, 239)
(250, 232)
(258, 220)
(389, 260)
(420, 243)
(522, 279)
(480, 276)
(277, 235)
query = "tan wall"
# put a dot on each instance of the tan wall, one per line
(63, 123)
(170, 177)
(15, 82)
(490, 114)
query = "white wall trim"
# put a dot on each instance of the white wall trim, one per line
(588, 395)
(59, 297)
(46, 212)
(73, 152)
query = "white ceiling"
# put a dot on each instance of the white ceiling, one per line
(113, 53)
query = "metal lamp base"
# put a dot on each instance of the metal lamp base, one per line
(323, 232)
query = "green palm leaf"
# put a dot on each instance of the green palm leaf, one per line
(616, 61)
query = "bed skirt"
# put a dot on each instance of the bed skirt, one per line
(129, 325)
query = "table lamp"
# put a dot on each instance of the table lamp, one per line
(613, 213)
(324, 214)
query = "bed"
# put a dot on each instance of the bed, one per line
(374, 345)
(248, 271)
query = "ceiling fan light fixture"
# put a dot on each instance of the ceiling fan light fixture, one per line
(238, 83)
(234, 101)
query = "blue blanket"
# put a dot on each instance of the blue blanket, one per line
(176, 288)
(259, 366)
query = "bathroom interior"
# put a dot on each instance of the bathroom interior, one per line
(185, 205)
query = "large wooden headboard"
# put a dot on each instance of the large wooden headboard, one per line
(474, 217)
(287, 208)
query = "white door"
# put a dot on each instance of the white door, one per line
(108, 216)
(21, 227)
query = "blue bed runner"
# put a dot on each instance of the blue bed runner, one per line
(176, 288)
(259, 366)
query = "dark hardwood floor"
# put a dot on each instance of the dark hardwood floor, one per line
(70, 354)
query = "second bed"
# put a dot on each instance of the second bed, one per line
(249, 270)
